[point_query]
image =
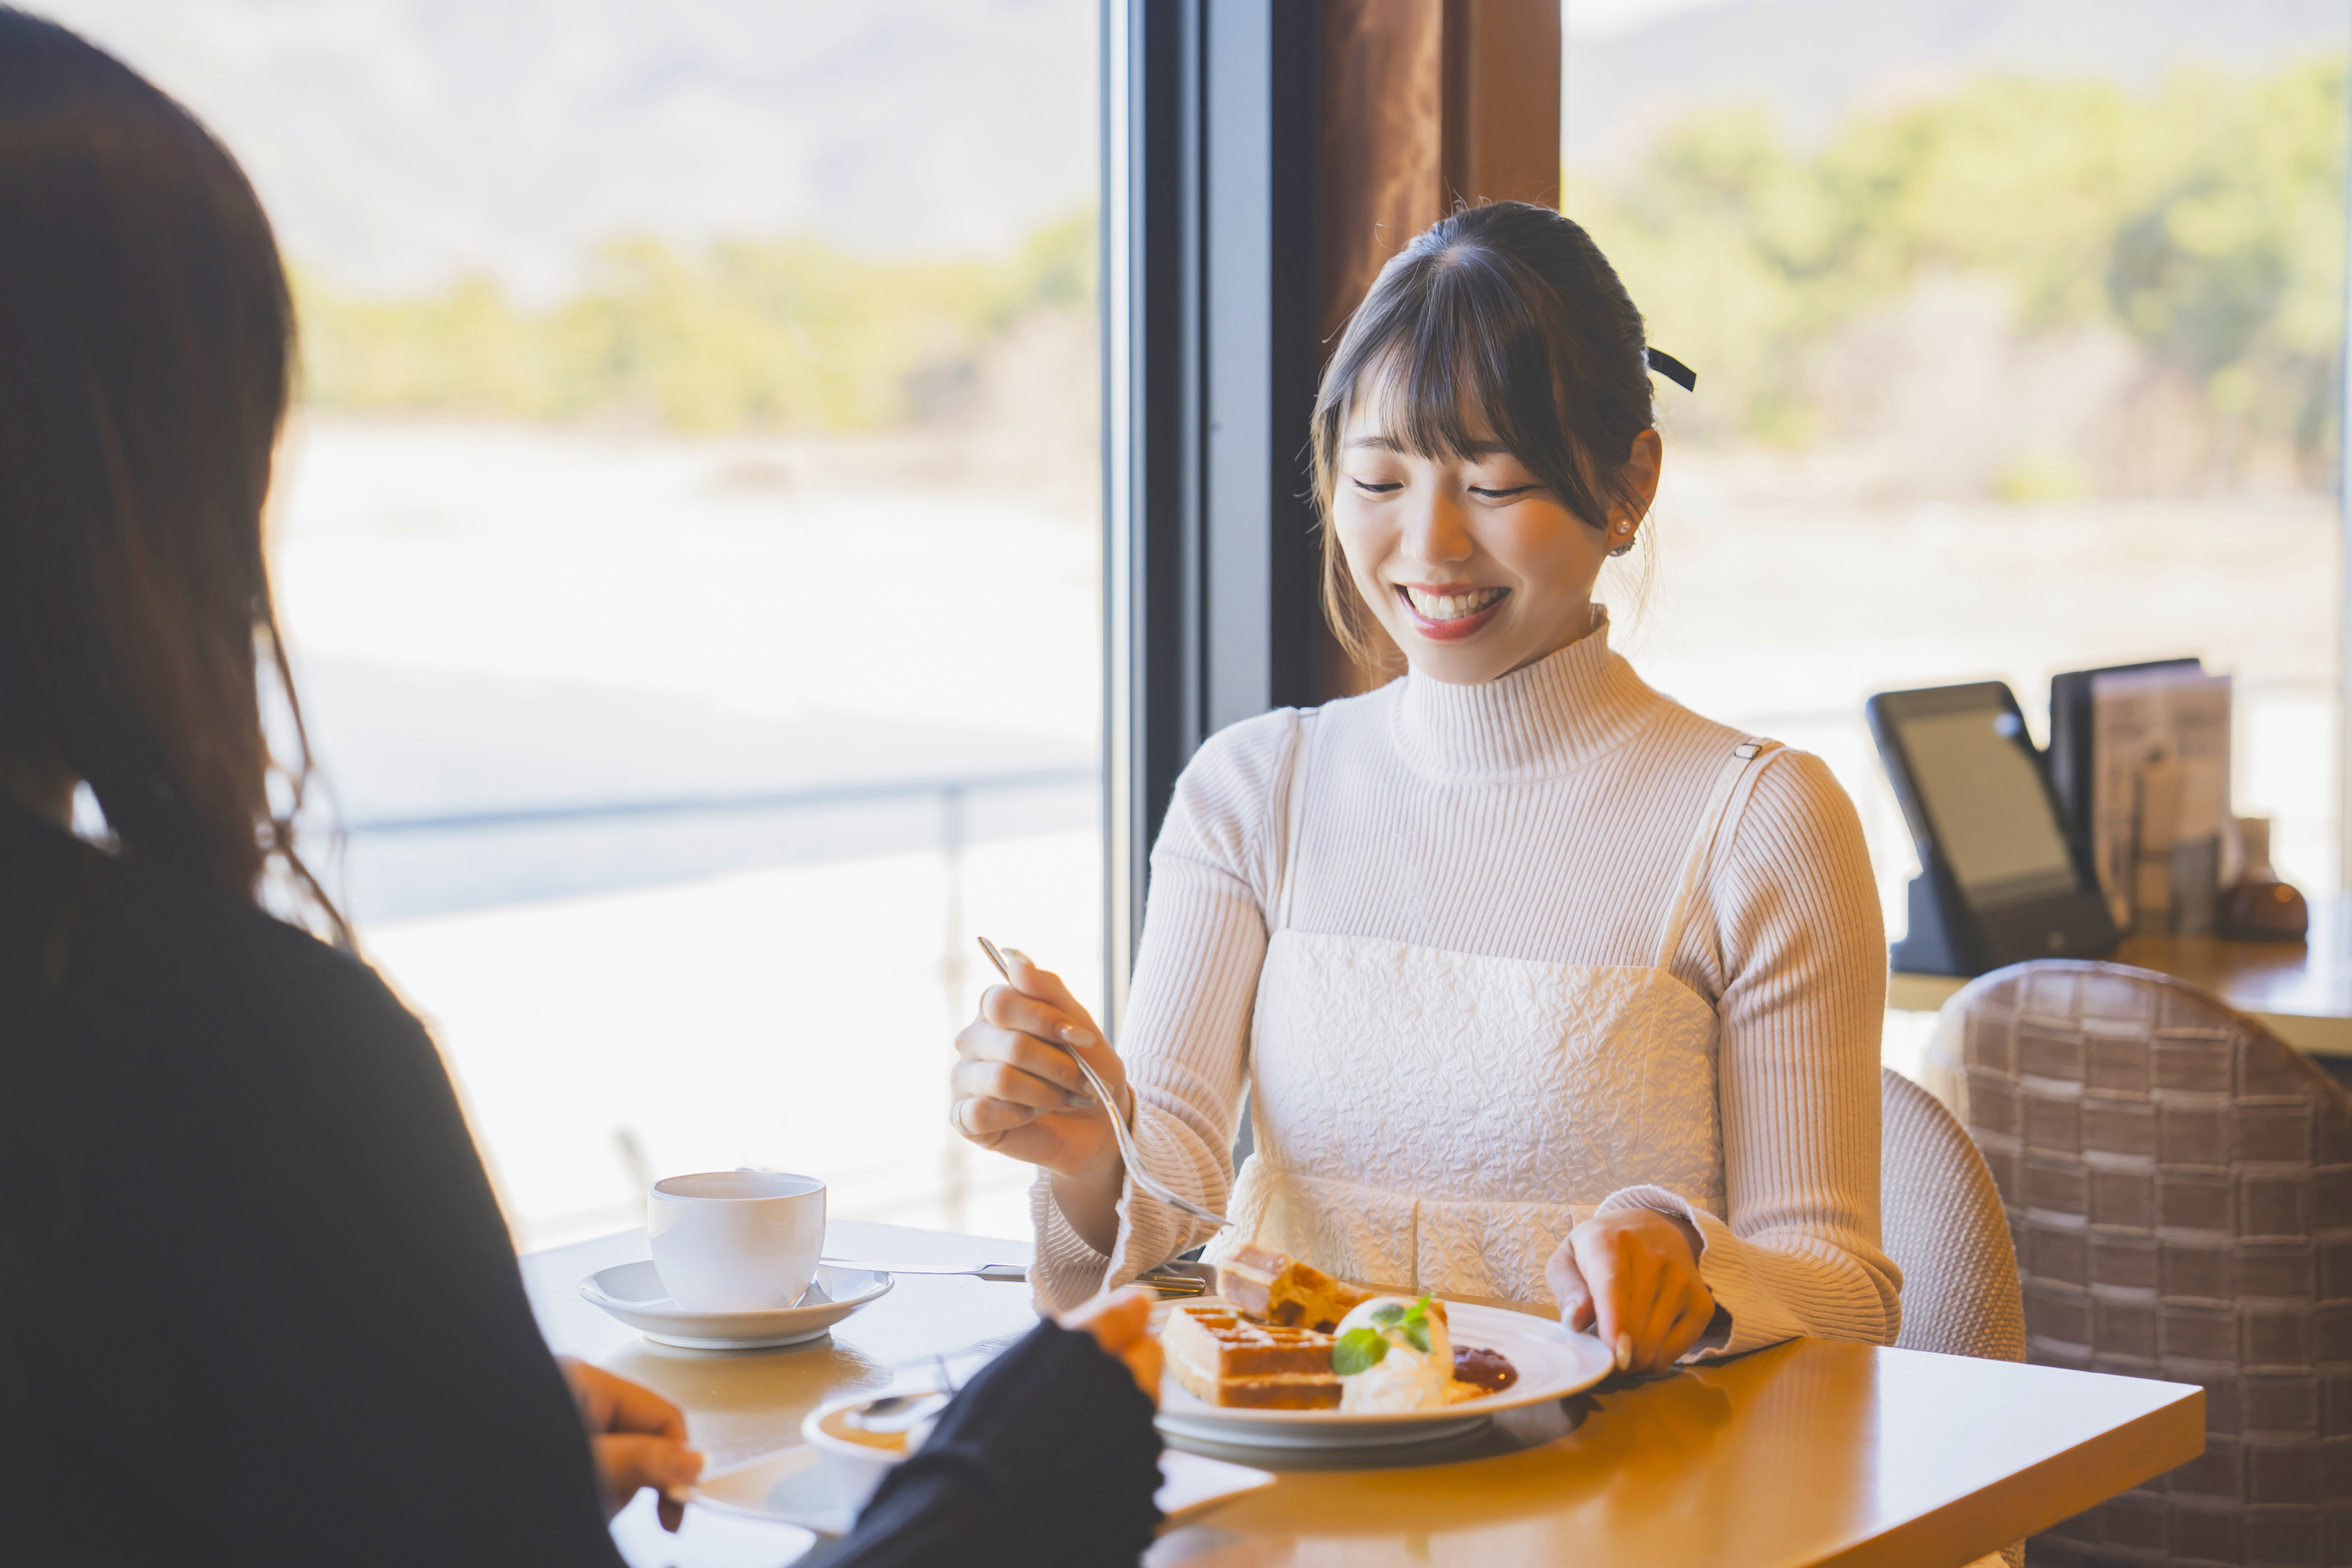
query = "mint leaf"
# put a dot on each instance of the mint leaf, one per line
(1416, 1325)
(1386, 1317)
(1357, 1350)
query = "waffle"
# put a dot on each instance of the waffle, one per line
(1284, 1291)
(1226, 1359)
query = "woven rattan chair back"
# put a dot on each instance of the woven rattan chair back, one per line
(2178, 1187)
(1941, 1220)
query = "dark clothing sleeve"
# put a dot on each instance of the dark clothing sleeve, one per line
(1048, 1458)
(258, 1306)
(257, 1302)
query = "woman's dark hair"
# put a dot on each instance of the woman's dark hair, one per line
(1506, 313)
(146, 345)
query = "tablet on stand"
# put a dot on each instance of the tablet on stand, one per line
(2002, 877)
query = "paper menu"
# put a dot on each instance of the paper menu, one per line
(2160, 795)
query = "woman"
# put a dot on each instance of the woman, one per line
(257, 1303)
(1542, 985)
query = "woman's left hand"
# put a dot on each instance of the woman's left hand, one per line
(640, 1438)
(1634, 1273)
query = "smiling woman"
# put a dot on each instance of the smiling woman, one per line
(1473, 411)
(1542, 987)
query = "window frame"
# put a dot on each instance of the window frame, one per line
(1211, 138)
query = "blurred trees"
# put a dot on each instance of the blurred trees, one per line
(2204, 220)
(2192, 235)
(787, 334)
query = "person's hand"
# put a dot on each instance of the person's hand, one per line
(1121, 1324)
(640, 1438)
(1632, 1276)
(1017, 1092)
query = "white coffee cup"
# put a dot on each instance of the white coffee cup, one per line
(735, 1241)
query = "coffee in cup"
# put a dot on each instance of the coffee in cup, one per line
(735, 1241)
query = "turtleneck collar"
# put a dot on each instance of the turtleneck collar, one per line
(1546, 720)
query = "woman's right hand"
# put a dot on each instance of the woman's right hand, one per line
(1020, 1094)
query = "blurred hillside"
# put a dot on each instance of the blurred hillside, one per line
(400, 144)
(2015, 289)
(1943, 248)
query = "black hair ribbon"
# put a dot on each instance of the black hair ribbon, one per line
(1672, 369)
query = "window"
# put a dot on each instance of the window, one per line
(2018, 339)
(689, 542)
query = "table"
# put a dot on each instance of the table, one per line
(2301, 989)
(1809, 1452)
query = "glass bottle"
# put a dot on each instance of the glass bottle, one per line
(2258, 907)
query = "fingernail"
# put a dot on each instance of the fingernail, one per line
(1071, 1034)
(1624, 1351)
(1017, 957)
(1081, 1102)
(685, 1467)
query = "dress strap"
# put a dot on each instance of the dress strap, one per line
(1694, 872)
(1293, 812)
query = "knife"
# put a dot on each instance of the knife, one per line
(1169, 1281)
(1001, 1273)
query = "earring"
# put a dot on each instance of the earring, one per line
(1624, 527)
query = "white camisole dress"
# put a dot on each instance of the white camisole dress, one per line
(1441, 1121)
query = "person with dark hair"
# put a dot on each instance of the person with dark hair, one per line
(1542, 987)
(257, 1303)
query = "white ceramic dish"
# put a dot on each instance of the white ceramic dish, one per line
(794, 1487)
(1553, 1363)
(632, 1292)
(858, 1468)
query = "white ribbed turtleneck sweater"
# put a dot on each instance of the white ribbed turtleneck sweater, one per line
(1545, 816)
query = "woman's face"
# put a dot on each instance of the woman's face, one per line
(1472, 565)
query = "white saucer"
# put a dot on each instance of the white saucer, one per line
(632, 1292)
(794, 1487)
(1553, 1363)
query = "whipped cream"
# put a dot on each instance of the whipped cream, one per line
(1405, 1378)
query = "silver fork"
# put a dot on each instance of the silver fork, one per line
(1118, 1124)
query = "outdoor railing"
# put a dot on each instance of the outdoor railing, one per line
(956, 966)
(809, 797)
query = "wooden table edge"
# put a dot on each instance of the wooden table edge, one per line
(1965, 1529)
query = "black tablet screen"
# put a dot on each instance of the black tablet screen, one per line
(1992, 818)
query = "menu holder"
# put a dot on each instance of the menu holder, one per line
(2147, 751)
(2074, 752)
(2002, 877)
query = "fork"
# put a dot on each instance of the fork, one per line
(1142, 1178)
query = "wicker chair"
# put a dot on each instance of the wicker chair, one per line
(2178, 1187)
(1943, 1225)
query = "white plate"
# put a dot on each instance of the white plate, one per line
(1553, 1363)
(632, 1293)
(793, 1487)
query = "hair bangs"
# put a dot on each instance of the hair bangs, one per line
(1468, 366)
